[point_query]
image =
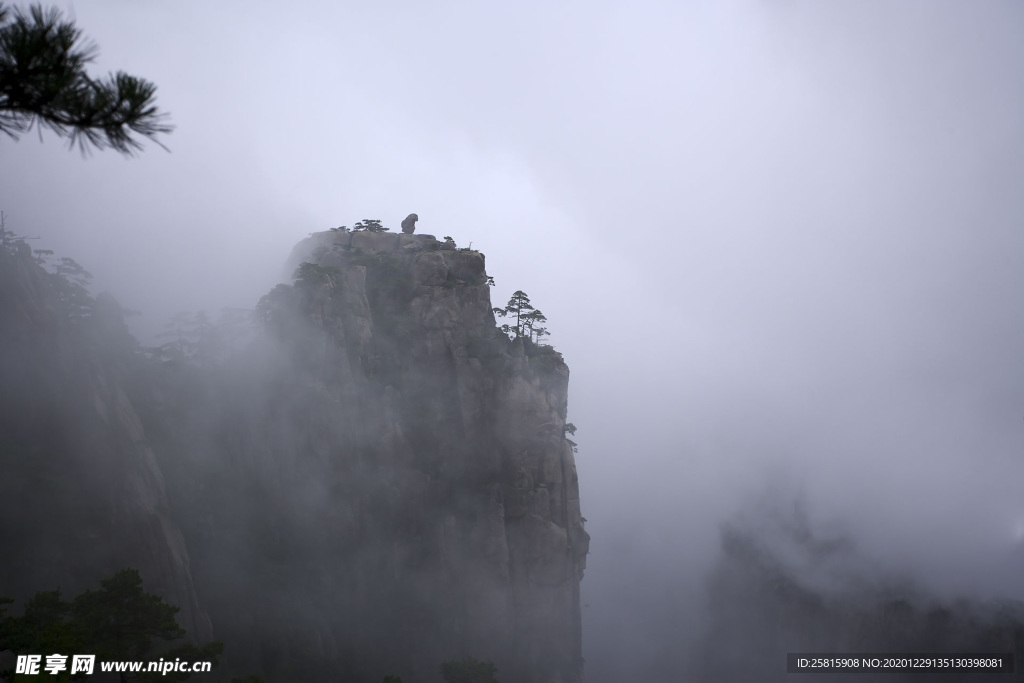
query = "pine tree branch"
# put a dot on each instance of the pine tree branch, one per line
(43, 83)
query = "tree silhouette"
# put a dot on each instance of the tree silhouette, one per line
(570, 429)
(369, 225)
(528, 319)
(43, 628)
(118, 622)
(531, 325)
(519, 305)
(43, 83)
(122, 620)
(71, 284)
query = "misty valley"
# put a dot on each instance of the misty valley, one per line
(779, 243)
(366, 476)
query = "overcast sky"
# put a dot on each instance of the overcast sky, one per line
(780, 242)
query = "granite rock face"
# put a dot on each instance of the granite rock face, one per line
(432, 490)
(377, 482)
(81, 495)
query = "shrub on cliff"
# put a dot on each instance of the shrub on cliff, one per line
(70, 282)
(309, 275)
(570, 429)
(66, 279)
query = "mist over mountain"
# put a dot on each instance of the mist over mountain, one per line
(778, 244)
(370, 477)
(366, 476)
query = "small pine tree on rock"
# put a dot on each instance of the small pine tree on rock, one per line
(519, 305)
(570, 429)
(528, 320)
(369, 225)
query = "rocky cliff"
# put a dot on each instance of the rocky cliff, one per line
(373, 481)
(81, 495)
(401, 471)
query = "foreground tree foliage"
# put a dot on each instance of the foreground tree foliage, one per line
(122, 620)
(43, 82)
(119, 621)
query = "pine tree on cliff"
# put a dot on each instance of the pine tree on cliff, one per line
(43, 83)
(528, 319)
(531, 325)
(519, 306)
(570, 429)
(369, 225)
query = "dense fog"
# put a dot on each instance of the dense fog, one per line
(779, 245)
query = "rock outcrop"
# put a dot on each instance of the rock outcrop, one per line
(375, 483)
(410, 461)
(81, 495)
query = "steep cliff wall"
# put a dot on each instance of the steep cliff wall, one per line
(376, 482)
(81, 495)
(393, 484)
